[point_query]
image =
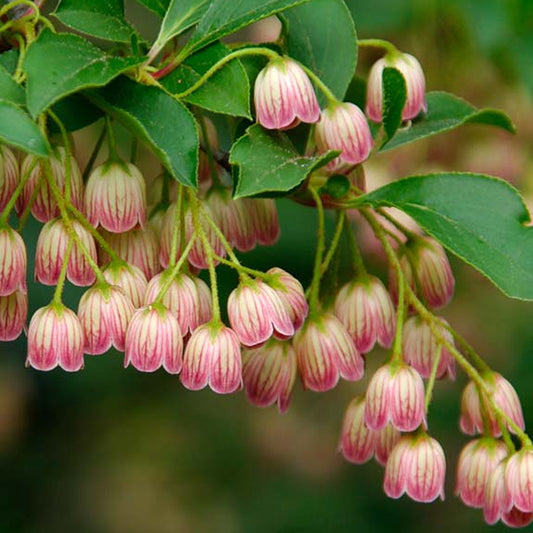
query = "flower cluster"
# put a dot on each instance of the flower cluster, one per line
(140, 248)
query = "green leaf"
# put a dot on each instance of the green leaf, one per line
(227, 91)
(9, 60)
(321, 34)
(159, 7)
(10, 89)
(18, 129)
(180, 16)
(72, 64)
(75, 112)
(267, 162)
(394, 98)
(99, 18)
(160, 120)
(447, 112)
(479, 218)
(224, 17)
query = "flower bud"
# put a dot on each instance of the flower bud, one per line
(139, 247)
(292, 294)
(181, 298)
(269, 373)
(264, 216)
(213, 357)
(421, 349)
(104, 313)
(498, 503)
(234, 220)
(503, 395)
(256, 312)
(13, 262)
(416, 466)
(477, 461)
(9, 175)
(45, 207)
(433, 271)
(366, 310)
(153, 339)
(325, 352)
(396, 394)
(415, 85)
(115, 197)
(343, 127)
(55, 338)
(284, 95)
(13, 313)
(129, 278)
(519, 480)
(51, 251)
(357, 440)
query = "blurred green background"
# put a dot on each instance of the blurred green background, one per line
(113, 450)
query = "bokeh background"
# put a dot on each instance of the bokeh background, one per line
(113, 450)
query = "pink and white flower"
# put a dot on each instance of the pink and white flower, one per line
(417, 467)
(325, 352)
(343, 127)
(284, 95)
(396, 394)
(104, 313)
(154, 339)
(13, 313)
(256, 312)
(51, 251)
(13, 262)
(213, 357)
(415, 85)
(55, 338)
(9, 175)
(269, 373)
(365, 308)
(115, 197)
(129, 278)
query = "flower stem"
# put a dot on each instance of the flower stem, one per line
(226, 59)
(432, 378)
(377, 43)
(94, 154)
(199, 230)
(358, 264)
(400, 312)
(314, 288)
(241, 268)
(331, 98)
(341, 220)
(176, 232)
(63, 273)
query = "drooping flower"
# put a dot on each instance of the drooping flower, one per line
(366, 310)
(325, 352)
(154, 340)
(417, 467)
(115, 197)
(292, 294)
(265, 221)
(476, 463)
(343, 127)
(503, 395)
(51, 250)
(104, 313)
(45, 207)
(13, 262)
(415, 85)
(55, 338)
(396, 394)
(139, 247)
(421, 349)
(9, 175)
(13, 313)
(213, 357)
(284, 95)
(181, 298)
(519, 480)
(269, 373)
(129, 278)
(256, 312)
